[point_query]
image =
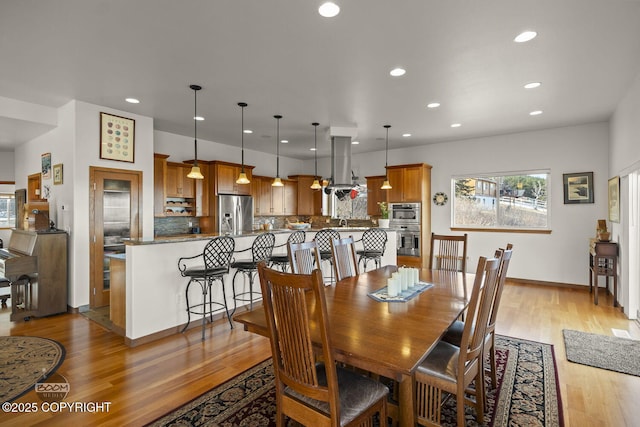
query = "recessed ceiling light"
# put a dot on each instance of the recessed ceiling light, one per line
(433, 105)
(312, 149)
(456, 125)
(525, 36)
(329, 9)
(532, 85)
(247, 131)
(198, 118)
(284, 141)
(397, 72)
(406, 135)
(132, 101)
(355, 142)
(535, 113)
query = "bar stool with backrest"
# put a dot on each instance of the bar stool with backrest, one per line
(452, 368)
(311, 392)
(261, 250)
(448, 252)
(323, 239)
(374, 242)
(213, 265)
(282, 261)
(345, 263)
(303, 257)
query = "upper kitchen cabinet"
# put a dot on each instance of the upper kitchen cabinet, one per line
(177, 183)
(409, 183)
(375, 195)
(269, 200)
(290, 197)
(225, 176)
(159, 183)
(309, 201)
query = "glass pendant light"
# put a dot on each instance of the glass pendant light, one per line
(195, 169)
(277, 182)
(242, 178)
(316, 184)
(386, 185)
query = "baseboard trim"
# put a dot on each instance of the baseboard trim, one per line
(517, 281)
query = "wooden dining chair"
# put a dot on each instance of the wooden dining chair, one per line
(345, 263)
(452, 368)
(310, 392)
(303, 257)
(448, 252)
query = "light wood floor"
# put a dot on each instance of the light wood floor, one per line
(146, 382)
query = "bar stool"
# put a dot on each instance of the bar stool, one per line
(323, 240)
(21, 301)
(216, 258)
(5, 283)
(282, 261)
(261, 250)
(374, 242)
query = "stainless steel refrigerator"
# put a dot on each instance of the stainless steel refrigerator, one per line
(235, 214)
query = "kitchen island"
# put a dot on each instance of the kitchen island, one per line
(155, 299)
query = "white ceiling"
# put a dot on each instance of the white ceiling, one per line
(281, 57)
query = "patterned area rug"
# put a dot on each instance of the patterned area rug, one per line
(24, 361)
(602, 351)
(527, 394)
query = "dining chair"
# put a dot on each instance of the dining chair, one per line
(374, 242)
(205, 268)
(310, 392)
(303, 257)
(282, 260)
(261, 250)
(323, 238)
(448, 252)
(452, 368)
(454, 333)
(345, 263)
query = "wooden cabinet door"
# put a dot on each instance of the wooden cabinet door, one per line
(290, 197)
(226, 179)
(187, 185)
(412, 184)
(277, 200)
(375, 194)
(256, 187)
(201, 195)
(396, 181)
(159, 183)
(243, 189)
(265, 196)
(172, 184)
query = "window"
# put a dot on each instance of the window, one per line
(506, 201)
(7, 210)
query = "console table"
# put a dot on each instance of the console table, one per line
(603, 261)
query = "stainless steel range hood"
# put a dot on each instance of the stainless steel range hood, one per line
(341, 174)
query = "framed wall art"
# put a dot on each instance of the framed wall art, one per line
(614, 199)
(57, 174)
(46, 166)
(117, 138)
(578, 187)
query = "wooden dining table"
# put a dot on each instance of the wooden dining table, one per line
(386, 338)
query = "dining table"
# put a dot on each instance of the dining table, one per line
(390, 339)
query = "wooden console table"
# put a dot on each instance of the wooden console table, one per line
(603, 261)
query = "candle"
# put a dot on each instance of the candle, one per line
(392, 287)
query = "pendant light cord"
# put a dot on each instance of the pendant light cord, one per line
(242, 105)
(195, 125)
(315, 147)
(386, 153)
(278, 117)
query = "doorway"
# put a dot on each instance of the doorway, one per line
(114, 215)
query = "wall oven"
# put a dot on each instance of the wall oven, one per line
(405, 220)
(408, 240)
(404, 214)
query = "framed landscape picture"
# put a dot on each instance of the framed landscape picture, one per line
(117, 138)
(57, 174)
(614, 199)
(578, 187)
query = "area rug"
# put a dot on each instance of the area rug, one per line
(527, 394)
(24, 361)
(602, 351)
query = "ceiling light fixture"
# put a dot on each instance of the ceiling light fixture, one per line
(406, 135)
(132, 100)
(285, 141)
(397, 72)
(316, 184)
(535, 113)
(355, 142)
(329, 9)
(242, 178)
(195, 169)
(532, 85)
(277, 182)
(525, 36)
(433, 105)
(456, 125)
(386, 185)
(247, 131)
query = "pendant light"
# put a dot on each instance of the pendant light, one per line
(195, 169)
(277, 182)
(386, 185)
(242, 178)
(316, 184)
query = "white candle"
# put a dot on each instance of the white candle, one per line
(405, 278)
(392, 287)
(416, 276)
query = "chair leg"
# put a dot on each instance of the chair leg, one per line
(233, 288)
(186, 294)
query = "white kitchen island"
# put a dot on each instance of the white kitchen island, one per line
(155, 290)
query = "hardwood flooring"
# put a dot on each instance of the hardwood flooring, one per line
(145, 382)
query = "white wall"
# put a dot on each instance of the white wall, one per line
(7, 172)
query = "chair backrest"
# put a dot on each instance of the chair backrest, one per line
(324, 237)
(345, 263)
(290, 321)
(303, 257)
(478, 311)
(262, 247)
(448, 252)
(218, 252)
(297, 236)
(505, 258)
(374, 239)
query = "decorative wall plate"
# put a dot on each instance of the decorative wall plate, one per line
(440, 199)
